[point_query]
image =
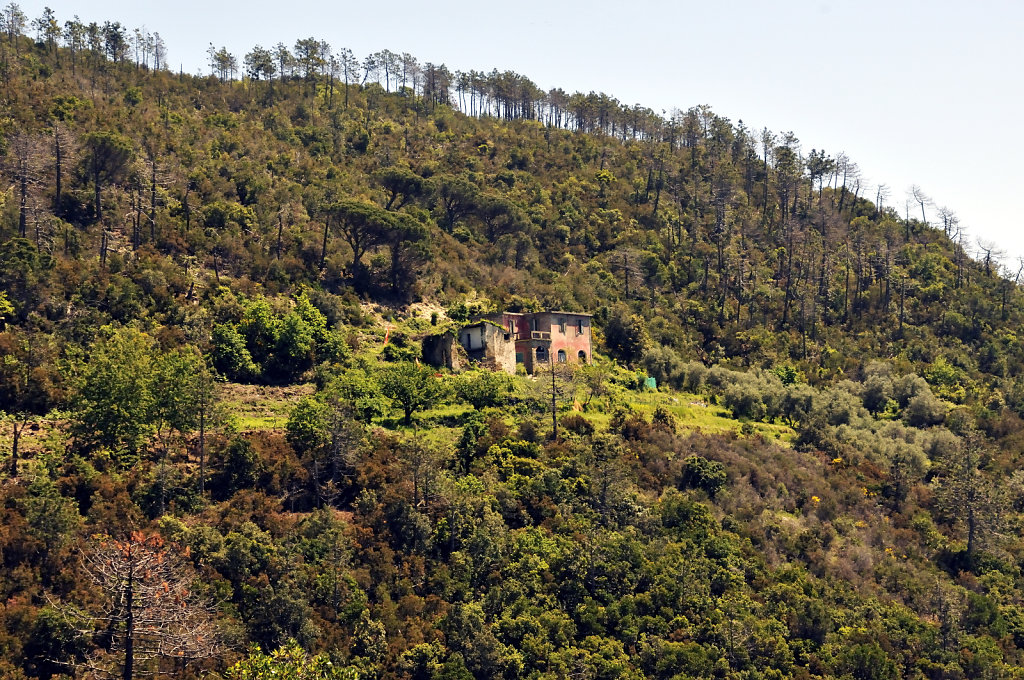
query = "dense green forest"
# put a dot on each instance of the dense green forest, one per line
(223, 456)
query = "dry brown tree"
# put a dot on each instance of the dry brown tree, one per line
(146, 618)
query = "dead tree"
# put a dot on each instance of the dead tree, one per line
(922, 200)
(950, 222)
(148, 617)
(990, 256)
(880, 196)
(65, 150)
(24, 163)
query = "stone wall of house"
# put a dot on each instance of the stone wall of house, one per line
(499, 349)
(491, 345)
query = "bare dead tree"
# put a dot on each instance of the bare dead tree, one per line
(65, 151)
(134, 187)
(848, 173)
(334, 463)
(880, 196)
(24, 162)
(990, 255)
(921, 199)
(157, 180)
(625, 260)
(421, 463)
(950, 222)
(960, 256)
(1009, 281)
(948, 605)
(287, 215)
(148, 617)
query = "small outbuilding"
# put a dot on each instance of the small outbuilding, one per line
(444, 350)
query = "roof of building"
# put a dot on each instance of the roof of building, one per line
(483, 321)
(546, 311)
(557, 311)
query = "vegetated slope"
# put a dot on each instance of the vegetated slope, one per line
(162, 228)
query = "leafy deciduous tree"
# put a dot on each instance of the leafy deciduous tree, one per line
(482, 389)
(29, 386)
(411, 387)
(114, 398)
(289, 662)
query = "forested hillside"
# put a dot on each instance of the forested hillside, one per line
(218, 432)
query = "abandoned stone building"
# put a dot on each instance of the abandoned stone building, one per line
(491, 345)
(444, 349)
(502, 340)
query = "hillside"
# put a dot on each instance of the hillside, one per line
(218, 432)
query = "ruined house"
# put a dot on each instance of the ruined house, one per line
(491, 345)
(444, 349)
(502, 340)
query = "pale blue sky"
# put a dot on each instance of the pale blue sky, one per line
(915, 92)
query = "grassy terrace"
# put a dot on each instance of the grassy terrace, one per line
(258, 407)
(253, 407)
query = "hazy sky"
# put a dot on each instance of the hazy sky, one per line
(915, 92)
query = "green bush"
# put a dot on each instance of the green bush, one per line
(700, 473)
(625, 336)
(483, 388)
(411, 387)
(230, 355)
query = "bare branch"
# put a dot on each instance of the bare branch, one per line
(148, 611)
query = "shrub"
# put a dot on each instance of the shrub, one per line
(242, 466)
(700, 473)
(392, 352)
(925, 410)
(295, 342)
(625, 336)
(798, 403)
(230, 355)
(360, 392)
(663, 419)
(906, 387)
(866, 662)
(745, 401)
(411, 387)
(482, 389)
(306, 428)
(630, 424)
(694, 375)
(577, 424)
(877, 392)
(665, 364)
(840, 407)
(940, 444)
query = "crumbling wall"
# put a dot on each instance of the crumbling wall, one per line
(499, 350)
(444, 351)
